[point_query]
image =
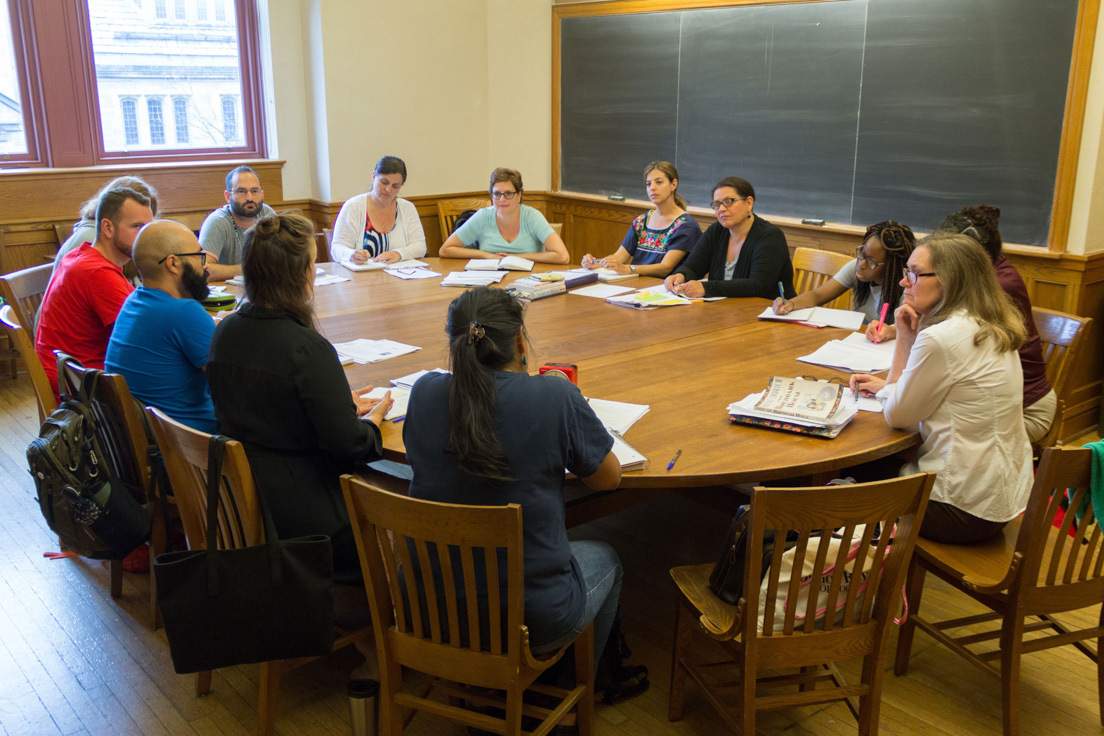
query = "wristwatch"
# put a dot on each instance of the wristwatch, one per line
(632, 268)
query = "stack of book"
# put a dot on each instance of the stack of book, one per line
(815, 408)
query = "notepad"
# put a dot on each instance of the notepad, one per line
(629, 457)
(506, 263)
(850, 356)
(819, 316)
(400, 396)
(618, 415)
(605, 275)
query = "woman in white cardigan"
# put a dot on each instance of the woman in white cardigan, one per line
(378, 225)
(957, 375)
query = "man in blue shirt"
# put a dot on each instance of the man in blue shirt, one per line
(161, 337)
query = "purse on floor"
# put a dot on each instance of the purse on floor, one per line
(223, 607)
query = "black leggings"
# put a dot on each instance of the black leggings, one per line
(951, 525)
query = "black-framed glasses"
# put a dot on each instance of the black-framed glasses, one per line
(256, 192)
(503, 195)
(202, 257)
(911, 276)
(863, 258)
(725, 203)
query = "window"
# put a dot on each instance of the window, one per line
(130, 120)
(156, 121)
(180, 118)
(229, 120)
(136, 67)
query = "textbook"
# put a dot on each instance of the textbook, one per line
(379, 266)
(530, 289)
(815, 408)
(818, 317)
(508, 263)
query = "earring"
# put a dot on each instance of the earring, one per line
(524, 361)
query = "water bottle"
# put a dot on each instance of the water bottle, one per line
(363, 695)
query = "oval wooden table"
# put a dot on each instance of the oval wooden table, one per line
(687, 363)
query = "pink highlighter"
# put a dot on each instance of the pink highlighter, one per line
(881, 322)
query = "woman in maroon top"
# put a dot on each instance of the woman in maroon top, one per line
(1040, 402)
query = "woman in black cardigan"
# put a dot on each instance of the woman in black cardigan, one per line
(741, 253)
(278, 388)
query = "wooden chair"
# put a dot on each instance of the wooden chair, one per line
(1032, 570)
(449, 209)
(240, 525)
(1062, 336)
(327, 241)
(422, 623)
(22, 341)
(24, 290)
(813, 267)
(861, 631)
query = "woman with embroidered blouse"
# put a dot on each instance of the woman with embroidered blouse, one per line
(658, 240)
(377, 225)
(506, 228)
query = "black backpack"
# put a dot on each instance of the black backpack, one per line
(89, 509)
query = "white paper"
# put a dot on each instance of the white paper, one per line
(478, 278)
(364, 351)
(883, 346)
(329, 279)
(849, 357)
(625, 453)
(408, 381)
(869, 403)
(481, 264)
(618, 415)
(407, 263)
(217, 289)
(818, 316)
(400, 396)
(412, 273)
(601, 291)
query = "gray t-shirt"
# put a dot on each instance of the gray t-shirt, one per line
(872, 307)
(83, 232)
(222, 237)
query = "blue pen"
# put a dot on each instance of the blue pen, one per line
(396, 420)
(672, 463)
(781, 291)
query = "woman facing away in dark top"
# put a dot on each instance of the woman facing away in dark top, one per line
(278, 387)
(491, 434)
(658, 240)
(981, 222)
(741, 253)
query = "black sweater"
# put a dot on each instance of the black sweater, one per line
(764, 260)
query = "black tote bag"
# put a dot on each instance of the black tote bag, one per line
(251, 604)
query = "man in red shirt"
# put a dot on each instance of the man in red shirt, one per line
(88, 288)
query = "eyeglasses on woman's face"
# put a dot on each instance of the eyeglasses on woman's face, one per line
(502, 195)
(912, 276)
(202, 257)
(725, 203)
(863, 258)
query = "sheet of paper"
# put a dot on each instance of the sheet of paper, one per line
(618, 415)
(407, 263)
(601, 291)
(400, 396)
(477, 278)
(869, 403)
(626, 454)
(408, 381)
(328, 279)
(859, 338)
(217, 289)
(849, 357)
(412, 273)
(364, 351)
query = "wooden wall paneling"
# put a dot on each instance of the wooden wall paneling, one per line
(1083, 406)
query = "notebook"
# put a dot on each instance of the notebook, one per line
(507, 263)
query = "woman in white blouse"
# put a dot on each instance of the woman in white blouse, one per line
(957, 375)
(378, 225)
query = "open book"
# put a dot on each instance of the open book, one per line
(819, 317)
(507, 263)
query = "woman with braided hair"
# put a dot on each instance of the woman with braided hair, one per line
(885, 250)
(981, 222)
(490, 434)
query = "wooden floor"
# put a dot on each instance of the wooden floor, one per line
(74, 661)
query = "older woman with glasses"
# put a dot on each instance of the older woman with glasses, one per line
(378, 226)
(506, 228)
(956, 374)
(885, 249)
(743, 254)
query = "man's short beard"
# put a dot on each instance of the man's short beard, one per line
(194, 282)
(238, 208)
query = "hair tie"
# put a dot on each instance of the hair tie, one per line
(475, 332)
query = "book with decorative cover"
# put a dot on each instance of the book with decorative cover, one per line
(784, 426)
(796, 397)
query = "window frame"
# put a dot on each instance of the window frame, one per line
(36, 35)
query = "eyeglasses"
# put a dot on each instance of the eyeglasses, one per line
(911, 276)
(202, 257)
(256, 192)
(726, 202)
(503, 195)
(863, 258)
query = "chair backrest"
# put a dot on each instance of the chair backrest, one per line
(449, 209)
(120, 428)
(424, 564)
(185, 452)
(813, 267)
(557, 227)
(853, 514)
(44, 394)
(24, 291)
(1051, 558)
(63, 231)
(1061, 335)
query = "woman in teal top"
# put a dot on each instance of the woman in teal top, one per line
(506, 228)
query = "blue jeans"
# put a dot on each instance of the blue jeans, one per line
(601, 570)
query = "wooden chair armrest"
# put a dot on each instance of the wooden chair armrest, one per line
(531, 660)
(731, 631)
(987, 586)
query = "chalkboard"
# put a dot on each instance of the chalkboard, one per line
(851, 111)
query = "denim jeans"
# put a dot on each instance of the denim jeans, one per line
(601, 570)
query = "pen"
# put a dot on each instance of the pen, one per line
(781, 292)
(881, 322)
(396, 420)
(672, 463)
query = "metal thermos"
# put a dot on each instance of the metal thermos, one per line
(363, 696)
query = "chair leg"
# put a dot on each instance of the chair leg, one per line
(684, 632)
(914, 589)
(584, 673)
(266, 698)
(116, 569)
(391, 715)
(745, 695)
(202, 683)
(1100, 669)
(513, 711)
(1011, 643)
(157, 545)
